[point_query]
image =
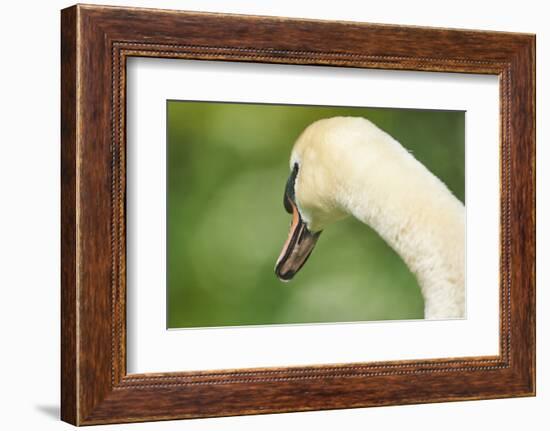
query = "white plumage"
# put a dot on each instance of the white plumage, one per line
(348, 166)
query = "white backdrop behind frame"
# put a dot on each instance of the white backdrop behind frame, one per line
(151, 347)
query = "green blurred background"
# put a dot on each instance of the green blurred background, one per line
(227, 168)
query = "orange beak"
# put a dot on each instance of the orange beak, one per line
(298, 246)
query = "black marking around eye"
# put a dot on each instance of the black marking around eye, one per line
(290, 193)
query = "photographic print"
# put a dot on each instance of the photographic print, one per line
(244, 231)
(291, 214)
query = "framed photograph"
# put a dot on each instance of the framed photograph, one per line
(263, 214)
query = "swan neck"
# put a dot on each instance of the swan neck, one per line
(415, 213)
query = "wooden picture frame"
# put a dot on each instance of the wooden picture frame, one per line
(96, 41)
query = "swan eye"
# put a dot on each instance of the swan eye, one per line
(290, 195)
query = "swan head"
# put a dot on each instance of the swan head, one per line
(315, 192)
(348, 166)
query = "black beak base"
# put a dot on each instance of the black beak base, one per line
(300, 241)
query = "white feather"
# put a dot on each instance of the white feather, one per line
(348, 166)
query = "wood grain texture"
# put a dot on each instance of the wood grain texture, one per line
(96, 41)
(69, 366)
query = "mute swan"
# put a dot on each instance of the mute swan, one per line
(348, 166)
